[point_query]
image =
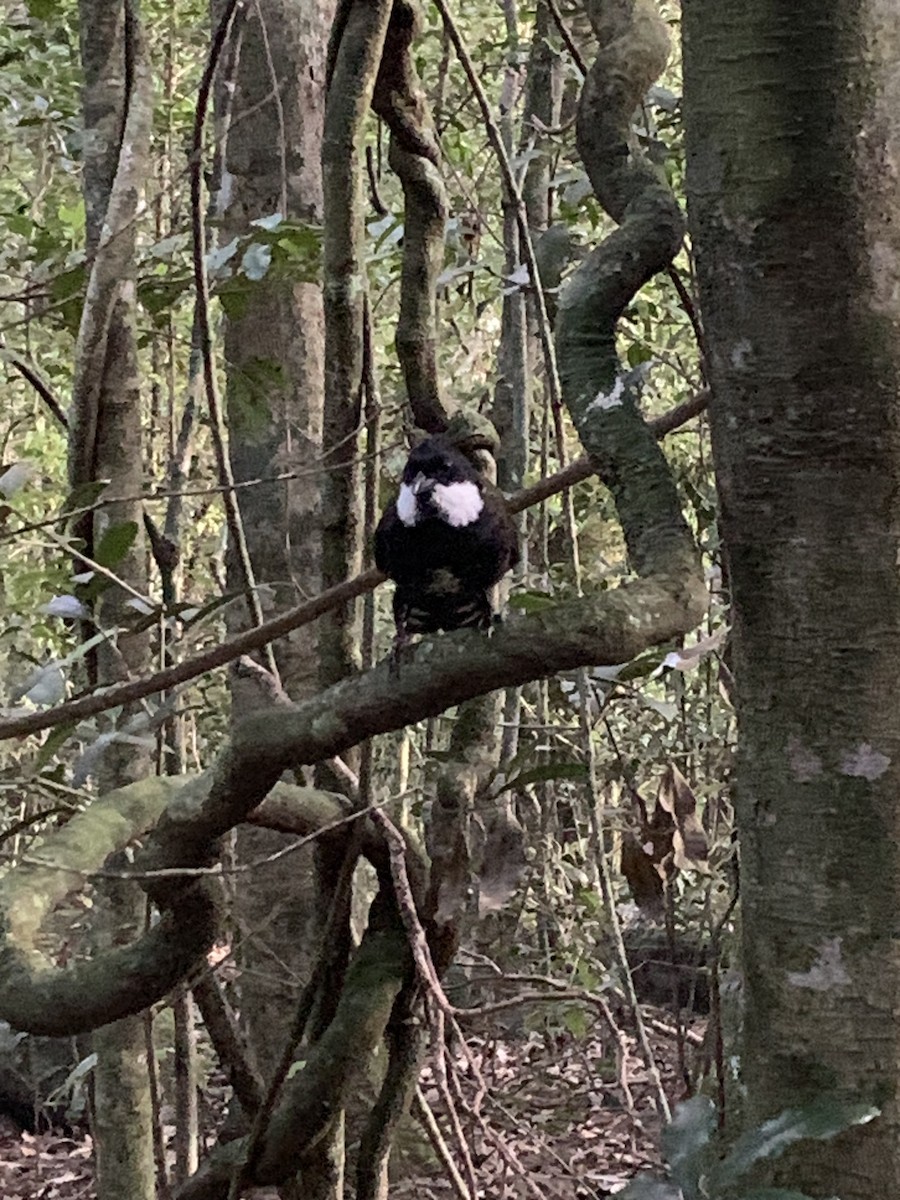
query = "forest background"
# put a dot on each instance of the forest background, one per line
(243, 259)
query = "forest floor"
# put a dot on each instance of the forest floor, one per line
(547, 1113)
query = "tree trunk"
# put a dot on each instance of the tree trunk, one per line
(107, 444)
(793, 127)
(275, 361)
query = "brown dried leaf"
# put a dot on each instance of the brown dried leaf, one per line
(675, 794)
(689, 843)
(644, 879)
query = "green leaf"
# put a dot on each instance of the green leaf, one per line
(645, 664)
(685, 1139)
(820, 1120)
(84, 495)
(19, 223)
(531, 602)
(300, 245)
(576, 1021)
(92, 589)
(44, 10)
(251, 385)
(56, 739)
(115, 543)
(160, 293)
(72, 216)
(637, 353)
(234, 298)
(67, 291)
(592, 902)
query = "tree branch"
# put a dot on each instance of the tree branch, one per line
(302, 614)
(40, 999)
(400, 101)
(331, 1065)
(31, 375)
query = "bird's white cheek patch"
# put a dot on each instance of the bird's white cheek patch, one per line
(459, 503)
(406, 505)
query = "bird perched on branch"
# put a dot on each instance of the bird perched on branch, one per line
(445, 541)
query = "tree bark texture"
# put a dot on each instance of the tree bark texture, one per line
(275, 348)
(107, 444)
(414, 155)
(271, 123)
(122, 1105)
(793, 135)
(357, 40)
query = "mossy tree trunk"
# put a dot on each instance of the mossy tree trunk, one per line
(106, 443)
(274, 354)
(793, 136)
(271, 124)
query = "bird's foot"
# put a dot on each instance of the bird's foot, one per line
(400, 648)
(495, 621)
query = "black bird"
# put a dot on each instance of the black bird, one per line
(445, 541)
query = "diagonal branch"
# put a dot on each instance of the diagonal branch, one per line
(117, 983)
(607, 628)
(302, 614)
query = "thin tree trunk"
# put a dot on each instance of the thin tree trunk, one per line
(187, 1141)
(123, 1111)
(107, 444)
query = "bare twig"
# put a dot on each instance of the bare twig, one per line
(581, 468)
(553, 9)
(594, 809)
(445, 1011)
(381, 209)
(168, 493)
(24, 823)
(338, 915)
(99, 569)
(228, 1042)
(442, 1079)
(218, 656)
(31, 375)
(439, 1145)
